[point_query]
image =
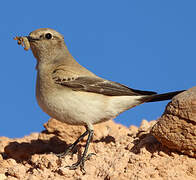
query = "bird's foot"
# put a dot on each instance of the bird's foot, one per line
(70, 148)
(80, 163)
(68, 151)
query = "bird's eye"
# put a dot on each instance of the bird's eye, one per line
(48, 36)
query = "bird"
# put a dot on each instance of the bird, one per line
(72, 94)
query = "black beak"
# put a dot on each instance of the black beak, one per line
(31, 39)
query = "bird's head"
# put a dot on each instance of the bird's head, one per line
(47, 44)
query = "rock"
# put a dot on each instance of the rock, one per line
(121, 153)
(176, 128)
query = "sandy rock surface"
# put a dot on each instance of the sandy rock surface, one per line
(176, 128)
(121, 153)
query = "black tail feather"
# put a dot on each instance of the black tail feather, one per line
(160, 97)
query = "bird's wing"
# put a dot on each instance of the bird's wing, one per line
(96, 85)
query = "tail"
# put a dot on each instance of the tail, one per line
(160, 97)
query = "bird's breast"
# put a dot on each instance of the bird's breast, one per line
(72, 107)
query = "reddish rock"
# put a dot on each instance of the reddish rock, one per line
(176, 128)
(121, 153)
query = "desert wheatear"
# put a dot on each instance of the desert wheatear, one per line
(70, 93)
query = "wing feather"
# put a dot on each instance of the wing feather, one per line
(98, 85)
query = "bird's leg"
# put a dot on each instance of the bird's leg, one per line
(84, 157)
(72, 146)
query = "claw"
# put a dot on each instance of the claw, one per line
(80, 163)
(89, 156)
(69, 151)
(85, 157)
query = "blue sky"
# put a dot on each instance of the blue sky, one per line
(147, 45)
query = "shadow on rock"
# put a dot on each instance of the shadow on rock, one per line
(148, 142)
(108, 139)
(24, 150)
(21, 151)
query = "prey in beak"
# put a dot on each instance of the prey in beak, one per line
(24, 41)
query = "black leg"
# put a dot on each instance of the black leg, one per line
(84, 155)
(72, 146)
